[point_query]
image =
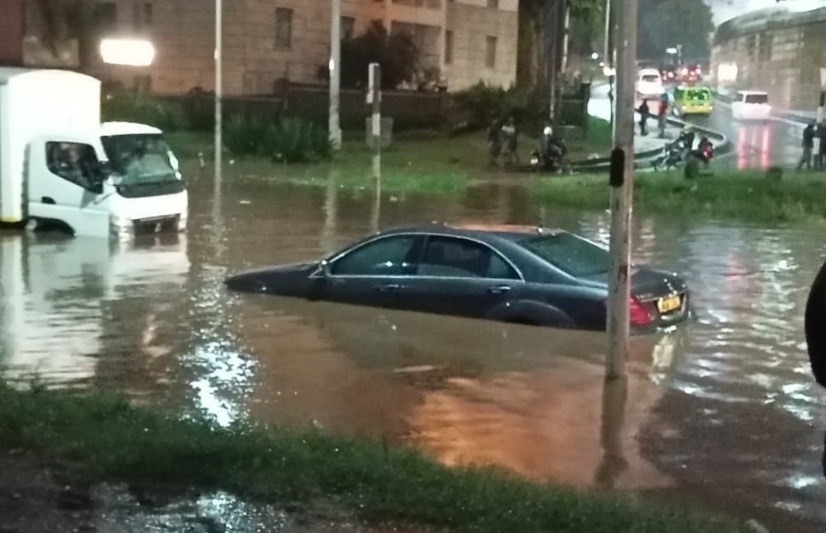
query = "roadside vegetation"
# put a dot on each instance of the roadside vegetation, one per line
(105, 439)
(743, 196)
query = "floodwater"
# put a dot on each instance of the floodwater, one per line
(723, 414)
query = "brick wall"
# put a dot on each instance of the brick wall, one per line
(472, 26)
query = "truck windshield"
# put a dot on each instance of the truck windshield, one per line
(141, 158)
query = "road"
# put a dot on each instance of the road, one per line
(755, 146)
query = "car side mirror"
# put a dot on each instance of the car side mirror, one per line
(325, 268)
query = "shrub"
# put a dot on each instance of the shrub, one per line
(482, 103)
(129, 106)
(288, 140)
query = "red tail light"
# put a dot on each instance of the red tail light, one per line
(637, 315)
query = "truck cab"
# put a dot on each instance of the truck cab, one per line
(60, 166)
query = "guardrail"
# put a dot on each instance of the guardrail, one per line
(722, 144)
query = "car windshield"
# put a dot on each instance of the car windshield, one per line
(141, 158)
(757, 98)
(651, 78)
(571, 254)
(698, 95)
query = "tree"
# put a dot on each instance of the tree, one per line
(666, 23)
(534, 18)
(395, 52)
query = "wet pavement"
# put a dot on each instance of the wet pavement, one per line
(723, 414)
(755, 145)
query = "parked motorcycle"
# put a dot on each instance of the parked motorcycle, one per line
(672, 156)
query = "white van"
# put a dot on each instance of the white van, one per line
(751, 105)
(649, 83)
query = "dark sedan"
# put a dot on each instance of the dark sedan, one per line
(512, 274)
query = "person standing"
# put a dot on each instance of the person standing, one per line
(821, 148)
(644, 112)
(662, 113)
(808, 145)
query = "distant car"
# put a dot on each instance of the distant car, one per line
(668, 74)
(649, 83)
(692, 100)
(751, 105)
(691, 73)
(508, 273)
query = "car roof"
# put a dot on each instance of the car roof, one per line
(753, 92)
(483, 232)
(647, 71)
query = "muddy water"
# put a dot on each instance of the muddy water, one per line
(723, 414)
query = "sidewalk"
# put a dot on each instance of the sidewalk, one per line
(599, 106)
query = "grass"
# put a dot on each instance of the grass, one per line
(743, 196)
(104, 438)
(417, 162)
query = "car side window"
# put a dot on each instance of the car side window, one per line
(74, 162)
(463, 258)
(389, 256)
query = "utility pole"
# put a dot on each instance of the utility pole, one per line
(335, 74)
(608, 55)
(822, 102)
(219, 143)
(622, 188)
(374, 98)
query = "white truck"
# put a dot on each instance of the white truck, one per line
(60, 166)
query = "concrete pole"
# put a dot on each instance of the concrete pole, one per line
(608, 54)
(335, 74)
(219, 93)
(374, 77)
(622, 187)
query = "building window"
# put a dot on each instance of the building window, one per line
(105, 18)
(448, 47)
(283, 27)
(490, 52)
(764, 51)
(142, 15)
(348, 27)
(493, 4)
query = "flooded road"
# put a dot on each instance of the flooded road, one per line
(724, 414)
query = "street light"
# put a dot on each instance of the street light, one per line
(129, 52)
(595, 56)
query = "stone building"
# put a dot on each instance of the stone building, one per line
(265, 41)
(779, 50)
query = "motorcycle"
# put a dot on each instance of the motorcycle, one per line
(550, 159)
(671, 157)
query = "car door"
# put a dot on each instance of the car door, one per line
(462, 277)
(373, 273)
(65, 187)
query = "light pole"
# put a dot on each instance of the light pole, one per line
(335, 74)
(218, 90)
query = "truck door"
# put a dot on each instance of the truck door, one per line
(63, 187)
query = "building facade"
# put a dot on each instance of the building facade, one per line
(270, 41)
(779, 50)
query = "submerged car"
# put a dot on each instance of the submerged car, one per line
(509, 273)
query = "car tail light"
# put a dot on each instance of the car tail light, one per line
(637, 315)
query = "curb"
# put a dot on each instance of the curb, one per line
(722, 145)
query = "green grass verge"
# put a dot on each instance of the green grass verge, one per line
(417, 162)
(744, 196)
(106, 439)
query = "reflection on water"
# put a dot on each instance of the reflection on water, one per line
(725, 411)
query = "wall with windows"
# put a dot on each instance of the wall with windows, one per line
(480, 43)
(268, 40)
(777, 51)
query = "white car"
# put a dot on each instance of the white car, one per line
(751, 105)
(649, 83)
